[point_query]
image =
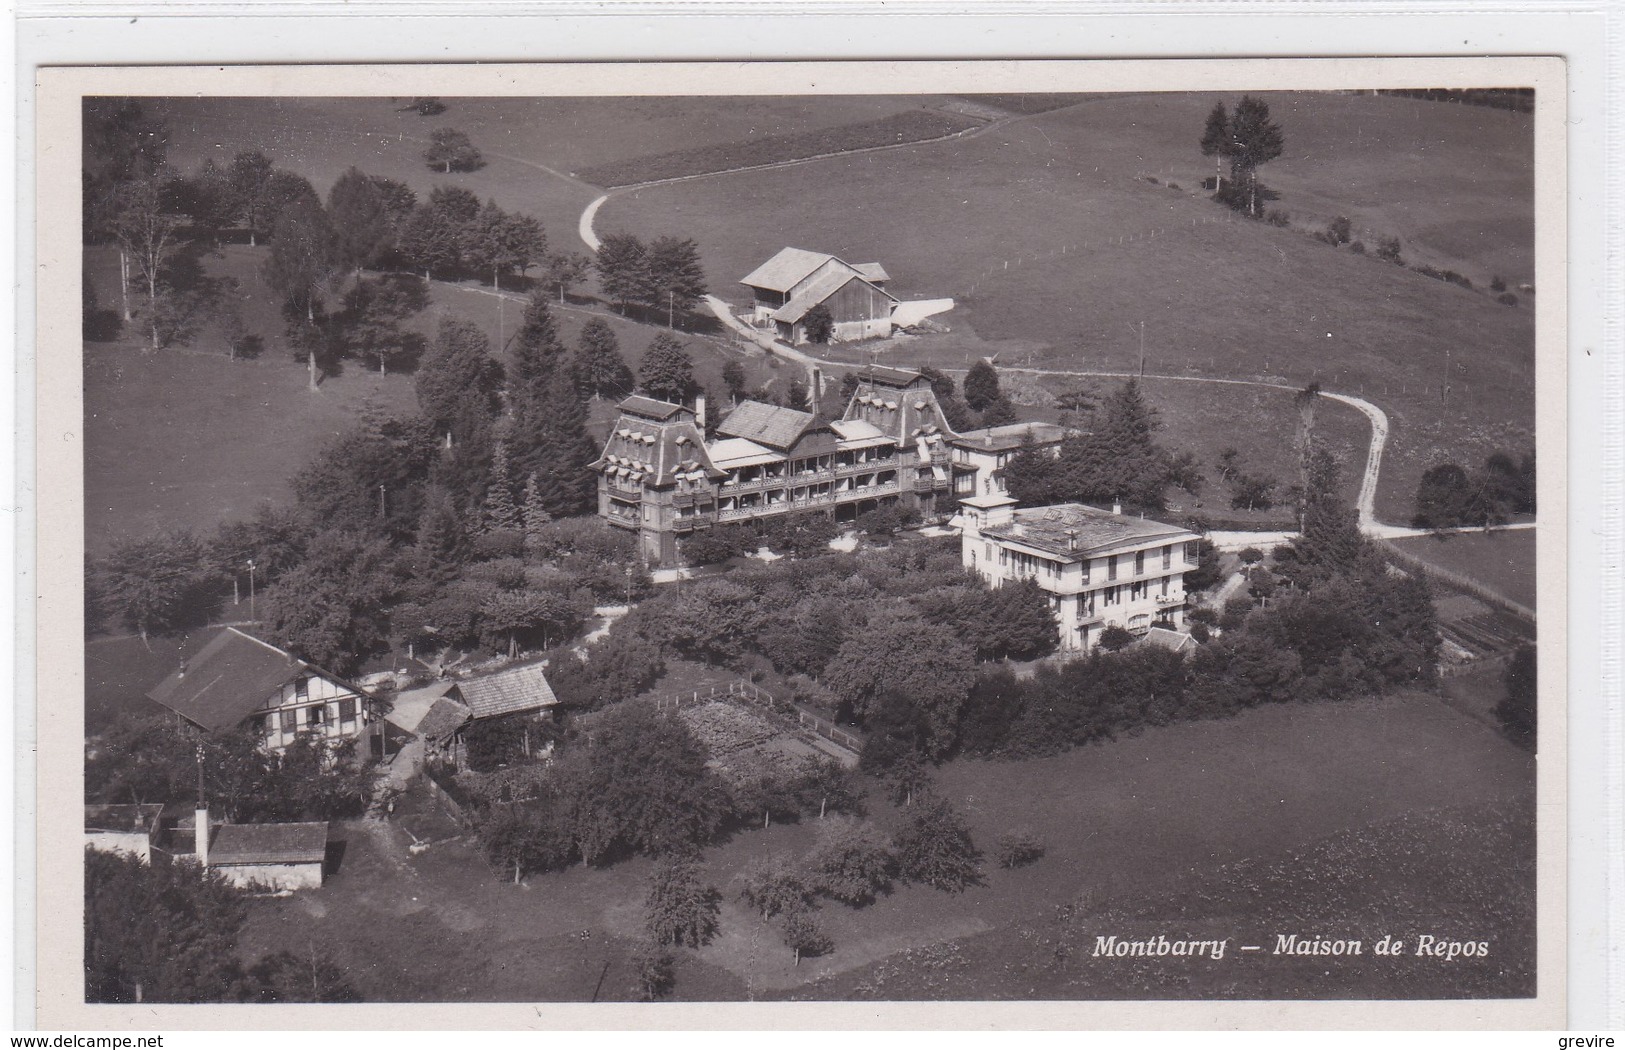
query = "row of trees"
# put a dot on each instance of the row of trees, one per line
(1247, 138)
(663, 274)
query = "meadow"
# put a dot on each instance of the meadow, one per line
(1137, 820)
(1502, 561)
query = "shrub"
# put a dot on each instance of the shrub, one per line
(1275, 217)
(934, 847)
(499, 543)
(1507, 299)
(719, 544)
(1114, 638)
(1018, 848)
(1338, 231)
(1388, 251)
(1357, 247)
(852, 861)
(1497, 284)
(655, 966)
(1152, 179)
(804, 935)
(680, 909)
(1252, 556)
(1235, 613)
(1173, 186)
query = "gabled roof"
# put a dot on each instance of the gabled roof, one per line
(1163, 638)
(732, 453)
(230, 679)
(820, 290)
(268, 843)
(872, 272)
(442, 720)
(885, 376)
(124, 819)
(411, 706)
(650, 408)
(509, 692)
(1010, 436)
(785, 270)
(766, 424)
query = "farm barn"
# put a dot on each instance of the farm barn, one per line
(787, 287)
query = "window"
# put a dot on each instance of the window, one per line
(288, 720)
(1191, 553)
(1110, 594)
(989, 548)
(318, 715)
(1139, 563)
(1136, 590)
(301, 688)
(1165, 586)
(1168, 556)
(1086, 604)
(1111, 567)
(1085, 566)
(347, 710)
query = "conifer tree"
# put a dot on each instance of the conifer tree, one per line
(600, 368)
(561, 449)
(981, 386)
(666, 373)
(535, 510)
(500, 511)
(1216, 140)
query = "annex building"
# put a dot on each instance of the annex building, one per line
(786, 288)
(1101, 568)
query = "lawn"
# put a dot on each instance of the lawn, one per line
(1502, 561)
(947, 218)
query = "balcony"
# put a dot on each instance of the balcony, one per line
(755, 484)
(858, 492)
(626, 492)
(923, 484)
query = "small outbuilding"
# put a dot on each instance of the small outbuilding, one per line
(128, 829)
(268, 856)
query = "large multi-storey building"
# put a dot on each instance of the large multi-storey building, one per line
(1100, 568)
(660, 477)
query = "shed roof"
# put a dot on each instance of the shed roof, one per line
(770, 425)
(1011, 436)
(872, 272)
(304, 843)
(887, 376)
(650, 408)
(230, 679)
(1073, 531)
(442, 720)
(509, 692)
(124, 819)
(1163, 638)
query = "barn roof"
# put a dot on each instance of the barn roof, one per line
(770, 425)
(785, 270)
(872, 272)
(509, 692)
(820, 290)
(443, 719)
(230, 679)
(124, 819)
(268, 843)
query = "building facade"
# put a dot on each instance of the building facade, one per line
(788, 286)
(659, 477)
(239, 680)
(1100, 568)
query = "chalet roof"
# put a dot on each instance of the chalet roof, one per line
(732, 453)
(1011, 436)
(765, 424)
(1072, 531)
(1163, 638)
(650, 408)
(508, 692)
(124, 819)
(268, 843)
(785, 270)
(886, 376)
(411, 706)
(444, 718)
(231, 678)
(820, 290)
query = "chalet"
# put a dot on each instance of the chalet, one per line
(237, 680)
(660, 477)
(128, 829)
(787, 287)
(1100, 568)
(439, 713)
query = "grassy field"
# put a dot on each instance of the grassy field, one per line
(1216, 298)
(1132, 820)
(1502, 561)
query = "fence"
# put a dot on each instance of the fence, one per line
(753, 693)
(1456, 581)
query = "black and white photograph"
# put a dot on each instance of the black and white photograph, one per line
(972, 543)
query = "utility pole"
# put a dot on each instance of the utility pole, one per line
(1444, 387)
(251, 615)
(1142, 349)
(670, 308)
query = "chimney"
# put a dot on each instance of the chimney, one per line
(817, 393)
(699, 410)
(200, 832)
(988, 439)
(1071, 539)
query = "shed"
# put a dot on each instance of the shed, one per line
(128, 829)
(272, 856)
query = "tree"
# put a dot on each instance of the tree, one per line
(1017, 848)
(1228, 464)
(733, 377)
(981, 386)
(159, 584)
(552, 433)
(283, 977)
(147, 236)
(361, 225)
(206, 198)
(654, 965)
(1207, 572)
(301, 261)
(681, 909)
(158, 932)
(819, 324)
(1255, 140)
(1253, 492)
(675, 275)
(283, 190)
(513, 613)
(772, 886)
(1216, 141)
(1115, 638)
(429, 241)
(565, 270)
(926, 665)
(1447, 497)
(374, 312)
(1120, 460)
(599, 365)
(852, 861)
(1518, 708)
(624, 270)
(450, 150)
(500, 511)
(666, 372)
(330, 610)
(714, 620)
(804, 935)
(934, 847)
(535, 511)
(1001, 412)
(457, 381)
